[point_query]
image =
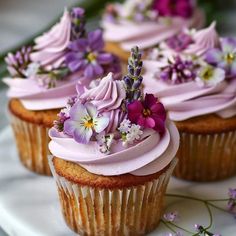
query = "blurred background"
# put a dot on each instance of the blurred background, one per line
(22, 20)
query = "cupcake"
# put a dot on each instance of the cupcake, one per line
(146, 23)
(44, 76)
(113, 157)
(196, 83)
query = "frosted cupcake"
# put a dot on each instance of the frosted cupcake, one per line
(113, 157)
(146, 23)
(44, 76)
(197, 85)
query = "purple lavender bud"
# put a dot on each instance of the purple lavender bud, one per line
(131, 69)
(137, 71)
(128, 81)
(137, 95)
(137, 83)
(77, 12)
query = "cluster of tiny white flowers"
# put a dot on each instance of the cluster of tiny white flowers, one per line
(66, 110)
(130, 132)
(105, 142)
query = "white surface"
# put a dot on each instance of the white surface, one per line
(29, 204)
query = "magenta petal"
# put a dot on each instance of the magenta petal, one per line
(160, 125)
(149, 100)
(158, 110)
(135, 111)
(146, 122)
(82, 135)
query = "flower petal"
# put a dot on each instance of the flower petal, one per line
(70, 126)
(105, 58)
(135, 110)
(82, 135)
(146, 122)
(95, 40)
(78, 45)
(78, 111)
(149, 100)
(158, 110)
(91, 109)
(214, 56)
(233, 69)
(100, 123)
(89, 71)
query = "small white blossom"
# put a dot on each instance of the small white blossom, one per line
(210, 76)
(124, 126)
(66, 110)
(105, 142)
(32, 69)
(135, 131)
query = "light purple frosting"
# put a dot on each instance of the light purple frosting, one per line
(107, 97)
(150, 155)
(187, 100)
(51, 46)
(148, 33)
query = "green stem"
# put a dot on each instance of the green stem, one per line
(168, 226)
(179, 227)
(210, 215)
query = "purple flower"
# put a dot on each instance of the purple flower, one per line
(87, 55)
(232, 201)
(224, 57)
(84, 121)
(183, 8)
(178, 71)
(148, 113)
(179, 42)
(17, 63)
(171, 216)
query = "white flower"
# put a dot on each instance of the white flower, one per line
(124, 126)
(66, 110)
(32, 69)
(135, 131)
(105, 142)
(210, 76)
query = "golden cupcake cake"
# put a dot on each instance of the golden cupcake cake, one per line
(146, 23)
(45, 75)
(194, 74)
(113, 157)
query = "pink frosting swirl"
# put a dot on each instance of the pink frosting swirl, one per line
(150, 155)
(35, 97)
(107, 97)
(204, 40)
(148, 34)
(51, 46)
(187, 100)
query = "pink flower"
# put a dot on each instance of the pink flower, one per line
(183, 8)
(148, 113)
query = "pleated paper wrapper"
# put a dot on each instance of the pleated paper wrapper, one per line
(32, 144)
(206, 157)
(101, 211)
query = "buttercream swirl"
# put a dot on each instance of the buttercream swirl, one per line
(150, 155)
(187, 100)
(148, 33)
(107, 97)
(51, 46)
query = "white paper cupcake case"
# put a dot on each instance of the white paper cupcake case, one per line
(206, 157)
(127, 211)
(32, 144)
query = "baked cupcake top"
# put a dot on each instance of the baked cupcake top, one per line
(194, 74)
(44, 75)
(148, 22)
(114, 129)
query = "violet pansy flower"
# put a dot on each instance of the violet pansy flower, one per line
(224, 57)
(84, 121)
(87, 55)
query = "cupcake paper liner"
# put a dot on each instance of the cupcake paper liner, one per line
(206, 157)
(100, 211)
(32, 144)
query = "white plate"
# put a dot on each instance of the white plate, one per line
(29, 204)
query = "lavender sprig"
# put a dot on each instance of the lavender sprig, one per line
(17, 63)
(133, 79)
(77, 23)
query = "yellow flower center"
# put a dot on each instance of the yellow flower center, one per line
(146, 112)
(207, 74)
(91, 57)
(88, 124)
(230, 57)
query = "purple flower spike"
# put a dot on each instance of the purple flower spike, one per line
(84, 122)
(87, 55)
(224, 57)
